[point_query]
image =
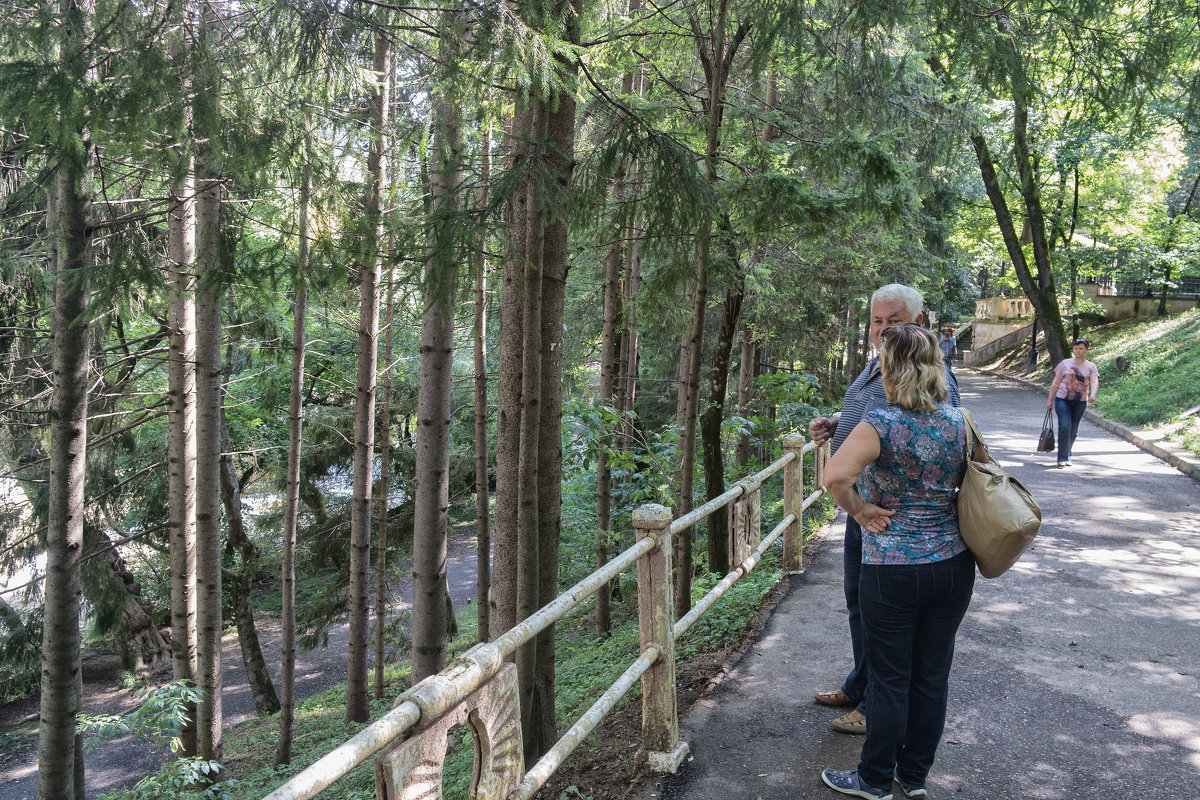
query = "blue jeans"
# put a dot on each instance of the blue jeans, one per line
(1069, 413)
(911, 614)
(855, 684)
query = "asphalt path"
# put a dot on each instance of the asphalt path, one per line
(1076, 673)
(123, 762)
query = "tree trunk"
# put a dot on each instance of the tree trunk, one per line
(483, 539)
(561, 135)
(60, 752)
(364, 407)
(1041, 301)
(208, 468)
(710, 426)
(291, 506)
(633, 278)
(746, 373)
(609, 353)
(143, 647)
(1045, 295)
(381, 507)
(528, 541)
(181, 436)
(257, 674)
(502, 600)
(432, 493)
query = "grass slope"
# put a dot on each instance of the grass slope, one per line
(605, 766)
(1149, 373)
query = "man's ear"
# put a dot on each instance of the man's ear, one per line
(920, 318)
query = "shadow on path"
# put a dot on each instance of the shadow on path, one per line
(1076, 674)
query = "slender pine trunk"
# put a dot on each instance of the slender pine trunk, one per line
(208, 469)
(357, 709)
(710, 426)
(60, 751)
(483, 539)
(291, 506)
(502, 600)
(181, 436)
(381, 506)
(432, 493)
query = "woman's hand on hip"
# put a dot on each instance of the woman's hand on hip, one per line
(873, 518)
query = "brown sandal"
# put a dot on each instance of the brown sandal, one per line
(835, 698)
(851, 722)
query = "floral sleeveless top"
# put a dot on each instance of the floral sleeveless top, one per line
(922, 457)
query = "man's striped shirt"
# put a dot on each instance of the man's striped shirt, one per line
(866, 393)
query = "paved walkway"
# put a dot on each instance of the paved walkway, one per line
(1077, 674)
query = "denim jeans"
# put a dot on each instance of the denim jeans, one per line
(1069, 413)
(911, 614)
(855, 684)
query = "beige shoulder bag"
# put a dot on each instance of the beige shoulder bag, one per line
(997, 515)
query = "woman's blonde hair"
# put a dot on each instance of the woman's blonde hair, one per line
(914, 375)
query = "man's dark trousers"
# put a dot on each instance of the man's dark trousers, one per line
(855, 685)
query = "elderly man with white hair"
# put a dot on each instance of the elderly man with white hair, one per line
(893, 304)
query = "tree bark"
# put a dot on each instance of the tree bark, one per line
(266, 701)
(1012, 243)
(60, 751)
(609, 359)
(483, 539)
(181, 436)
(528, 541)
(432, 493)
(746, 373)
(502, 600)
(357, 709)
(561, 156)
(291, 507)
(381, 506)
(710, 425)
(715, 54)
(208, 469)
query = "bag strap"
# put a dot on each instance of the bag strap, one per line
(1048, 421)
(974, 435)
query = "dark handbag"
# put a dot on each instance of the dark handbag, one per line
(997, 515)
(1046, 439)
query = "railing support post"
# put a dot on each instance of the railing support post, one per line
(793, 503)
(656, 618)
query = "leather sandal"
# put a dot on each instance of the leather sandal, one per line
(835, 698)
(852, 722)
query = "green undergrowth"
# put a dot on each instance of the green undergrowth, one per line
(586, 664)
(1159, 373)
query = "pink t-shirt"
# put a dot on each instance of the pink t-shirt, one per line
(1075, 380)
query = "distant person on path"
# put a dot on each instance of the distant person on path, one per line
(949, 346)
(1075, 383)
(894, 304)
(897, 474)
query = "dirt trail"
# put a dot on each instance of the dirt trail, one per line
(124, 762)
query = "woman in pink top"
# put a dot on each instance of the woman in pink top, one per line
(1074, 386)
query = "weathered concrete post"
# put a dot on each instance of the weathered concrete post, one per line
(793, 503)
(656, 617)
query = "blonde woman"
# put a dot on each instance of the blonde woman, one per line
(897, 474)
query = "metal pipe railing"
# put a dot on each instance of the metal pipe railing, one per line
(433, 697)
(537, 776)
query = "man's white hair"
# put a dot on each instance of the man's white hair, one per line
(894, 292)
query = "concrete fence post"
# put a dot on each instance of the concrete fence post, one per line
(793, 503)
(656, 618)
